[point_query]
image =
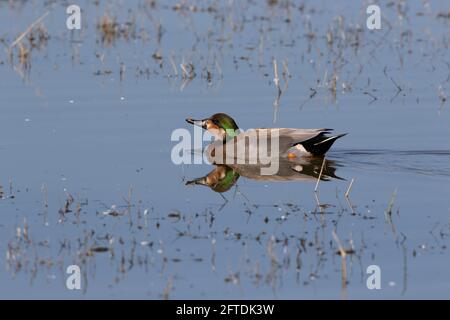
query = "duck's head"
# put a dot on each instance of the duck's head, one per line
(221, 125)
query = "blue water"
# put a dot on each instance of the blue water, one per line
(65, 130)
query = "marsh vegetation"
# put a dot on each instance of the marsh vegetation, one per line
(86, 176)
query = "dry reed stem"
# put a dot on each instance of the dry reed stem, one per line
(320, 175)
(30, 27)
(347, 193)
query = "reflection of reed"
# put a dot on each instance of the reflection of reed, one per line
(343, 255)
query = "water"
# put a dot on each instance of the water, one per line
(67, 132)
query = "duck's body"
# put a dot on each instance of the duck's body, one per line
(291, 142)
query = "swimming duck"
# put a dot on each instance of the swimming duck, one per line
(292, 142)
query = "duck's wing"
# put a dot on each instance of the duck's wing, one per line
(289, 137)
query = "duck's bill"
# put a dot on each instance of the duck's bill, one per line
(200, 123)
(198, 181)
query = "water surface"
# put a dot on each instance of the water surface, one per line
(85, 151)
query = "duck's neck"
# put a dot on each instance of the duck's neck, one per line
(230, 134)
(224, 134)
(227, 134)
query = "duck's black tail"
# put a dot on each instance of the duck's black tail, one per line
(320, 144)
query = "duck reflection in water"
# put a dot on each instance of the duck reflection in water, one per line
(223, 177)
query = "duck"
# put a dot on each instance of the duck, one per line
(293, 142)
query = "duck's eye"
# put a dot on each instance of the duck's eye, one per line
(216, 122)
